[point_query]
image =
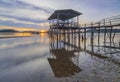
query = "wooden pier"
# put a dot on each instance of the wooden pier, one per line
(67, 22)
(66, 30)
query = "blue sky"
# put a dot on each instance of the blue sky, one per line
(34, 13)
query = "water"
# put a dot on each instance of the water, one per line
(43, 58)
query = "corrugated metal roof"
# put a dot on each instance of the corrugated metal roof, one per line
(64, 14)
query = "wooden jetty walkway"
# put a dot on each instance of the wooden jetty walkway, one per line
(66, 23)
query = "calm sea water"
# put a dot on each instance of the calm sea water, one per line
(45, 58)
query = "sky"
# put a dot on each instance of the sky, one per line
(34, 13)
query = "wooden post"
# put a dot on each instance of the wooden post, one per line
(110, 33)
(57, 21)
(92, 35)
(64, 36)
(99, 36)
(104, 32)
(72, 36)
(78, 21)
(68, 35)
(51, 27)
(119, 44)
(98, 32)
(57, 41)
(50, 24)
(79, 37)
(85, 37)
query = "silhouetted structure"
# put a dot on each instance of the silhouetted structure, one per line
(65, 30)
(67, 22)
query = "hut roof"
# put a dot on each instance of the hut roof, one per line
(64, 14)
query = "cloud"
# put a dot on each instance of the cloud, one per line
(35, 12)
(17, 12)
(25, 19)
(20, 4)
(88, 8)
(26, 13)
(17, 21)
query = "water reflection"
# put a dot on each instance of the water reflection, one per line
(56, 58)
(15, 35)
(82, 60)
(62, 64)
(61, 59)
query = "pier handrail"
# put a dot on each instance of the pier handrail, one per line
(110, 21)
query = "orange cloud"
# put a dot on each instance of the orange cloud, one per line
(18, 28)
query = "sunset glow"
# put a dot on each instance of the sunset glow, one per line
(59, 40)
(18, 28)
(34, 13)
(43, 31)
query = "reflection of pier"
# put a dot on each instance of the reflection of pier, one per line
(69, 53)
(62, 65)
(62, 59)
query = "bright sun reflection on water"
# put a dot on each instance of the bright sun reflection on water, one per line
(43, 34)
(43, 31)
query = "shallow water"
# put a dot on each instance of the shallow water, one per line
(45, 58)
